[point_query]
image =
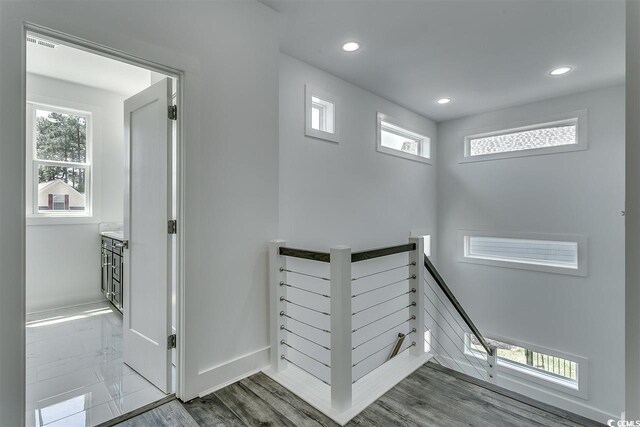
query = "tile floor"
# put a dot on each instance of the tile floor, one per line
(75, 372)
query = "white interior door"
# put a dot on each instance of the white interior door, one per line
(148, 259)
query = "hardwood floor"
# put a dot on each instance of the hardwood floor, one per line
(431, 396)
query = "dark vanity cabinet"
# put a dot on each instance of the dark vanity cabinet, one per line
(112, 270)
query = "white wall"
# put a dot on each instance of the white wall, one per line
(63, 260)
(568, 193)
(348, 193)
(632, 217)
(229, 53)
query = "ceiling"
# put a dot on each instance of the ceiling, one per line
(88, 69)
(483, 54)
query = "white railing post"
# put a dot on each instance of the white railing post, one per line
(492, 364)
(416, 271)
(277, 263)
(341, 349)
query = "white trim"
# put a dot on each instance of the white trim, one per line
(543, 394)
(581, 240)
(424, 140)
(579, 117)
(192, 64)
(93, 114)
(579, 388)
(310, 92)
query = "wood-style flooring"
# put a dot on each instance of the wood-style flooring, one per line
(431, 396)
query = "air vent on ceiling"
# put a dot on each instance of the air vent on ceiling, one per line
(42, 42)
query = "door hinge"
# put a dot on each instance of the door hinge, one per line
(172, 226)
(173, 112)
(171, 342)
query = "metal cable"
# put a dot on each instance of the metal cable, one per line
(304, 274)
(362, 376)
(445, 319)
(454, 344)
(394, 312)
(464, 344)
(383, 271)
(445, 350)
(283, 342)
(284, 328)
(302, 289)
(385, 301)
(447, 308)
(383, 286)
(303, 306)
(382, 333)
(378, 351)
(282, 313)
(300, 367)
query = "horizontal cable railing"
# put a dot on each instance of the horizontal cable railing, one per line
(340, 315)
(340, 325)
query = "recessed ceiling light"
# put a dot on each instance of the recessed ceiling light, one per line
(443, 100)
(351, 46)
(560, 71)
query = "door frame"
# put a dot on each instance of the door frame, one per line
(179, 75)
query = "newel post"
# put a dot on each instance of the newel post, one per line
(341, 346)
(277, 264)
(492, 364)
(416, 271)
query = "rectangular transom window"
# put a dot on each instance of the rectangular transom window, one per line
(559, 254)
(551, 368)
(59, 147)
(396, 140)
(557, 134)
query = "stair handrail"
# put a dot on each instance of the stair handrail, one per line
(456, 304)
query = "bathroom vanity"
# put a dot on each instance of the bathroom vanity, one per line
(113, 244)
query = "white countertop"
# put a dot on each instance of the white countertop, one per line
(118, 235)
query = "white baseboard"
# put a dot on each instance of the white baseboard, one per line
(366, 391)
(68, 306)
(233, 371)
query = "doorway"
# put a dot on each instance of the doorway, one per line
(101, 203)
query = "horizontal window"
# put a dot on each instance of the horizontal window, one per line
(560, 254)
(559, 370)
(557, 134)
(541, 252)
(396, 140)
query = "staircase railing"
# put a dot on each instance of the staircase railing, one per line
(340, 316)
(449, 326)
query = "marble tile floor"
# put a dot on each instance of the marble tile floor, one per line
(75, 372)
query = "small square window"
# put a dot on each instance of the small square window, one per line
(401, 142)
(320, 114)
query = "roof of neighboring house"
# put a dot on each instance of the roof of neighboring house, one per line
(43, 186)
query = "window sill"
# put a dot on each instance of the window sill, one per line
(37, 220)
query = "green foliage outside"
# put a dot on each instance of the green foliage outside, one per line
(62, 137)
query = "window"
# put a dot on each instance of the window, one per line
(59, 149)
(550, 253)
(562, 371)
(394, 139)
(322, 117)
(320, 114)
(559, 134)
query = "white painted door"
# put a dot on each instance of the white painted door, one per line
(148, 260)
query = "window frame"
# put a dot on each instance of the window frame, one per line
(406, 132)
(313, 92)
(581, 241)
(34, 215)
(578, 117)
(578, 388)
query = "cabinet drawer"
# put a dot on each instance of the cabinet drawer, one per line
(116, 246)
(107, 243)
